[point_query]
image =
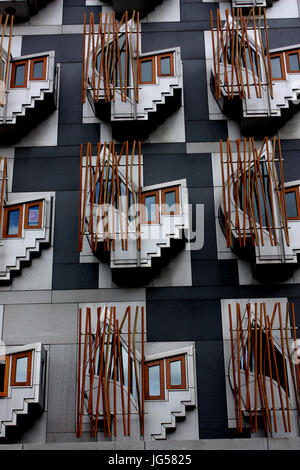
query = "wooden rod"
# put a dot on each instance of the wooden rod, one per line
(78, 374)
(121, 378)
(284, 369)
(233, 373)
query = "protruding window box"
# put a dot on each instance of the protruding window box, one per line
(260, 214)
(133, 227)
(136, 91)
(30, 97)
(252, 3)
(260, 89)
(22, 387)
(142, 6)
(26, 228)
(22, 10)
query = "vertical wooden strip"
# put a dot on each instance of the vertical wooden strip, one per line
(239, 370)
(214, 53)
(126, 54)
(264, 399)
(121, 378)
(255, 368)
(268, 54)
(83, 375)
(224, 195)
(229, 194)
(270, 368)
(78, 374)
(235, 390)
(129, 372)
(277, 374)
(284, 214)
(248, 309)
(143, 370)
(115, 373)
(137, 52)
(101, 360)
(4, 172)
(284, 369)
(256, 52)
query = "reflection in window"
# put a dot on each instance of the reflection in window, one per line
(147, 71)
(276, 67)
(150, 208)
(154, 380)
(170, 200)
(294, 62)
(33, 215)
(38, 70)
(19, 75)
(13, 220)
(165, 65)
(21, 369)
(175, 373)
(292, 203)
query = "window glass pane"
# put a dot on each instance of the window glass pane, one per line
(13, 222)
(20, 75)
(2, 374)
(276, 67)
(170, 200)
(150, 205)
(21, 369)
(175, 372)
(146, 71)
(38, 69)
(154, 381)
(294, 61)
(291, 204)
(2, 74)
(165, 66)
(33, 215)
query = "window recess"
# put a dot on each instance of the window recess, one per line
(154, 380)
(13, 217)
(4, 374)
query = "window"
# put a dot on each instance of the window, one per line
(154, 380)
(21, 369)
(170, 201)
(292, 201)
(33, 215)
(147, 70)
(277, 65)
(19, 74)
(4, 372)
(165, 65)
(175, 372)
(150, 208)
(12, 227)
(293, 61)
(38, 68)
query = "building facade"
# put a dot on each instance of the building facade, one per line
(150, 224)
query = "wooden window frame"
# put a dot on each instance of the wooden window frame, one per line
(287, 59)
(147, 365)
(161, 56)
(15, 357)
(6, 376)
(147, 59)
(5, 220)
(163, 200)
(28, 205)
(31, 72)
(294, 189)
(180, 358)
(282, 65)
(143, 208)
(13, 73)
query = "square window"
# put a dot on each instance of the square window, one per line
(21, 369)
(175, 373)
(147, 70)
(19, 74)
(154, 380)
(38, 68)
(165, 65)
(33, 215)
(13, 217)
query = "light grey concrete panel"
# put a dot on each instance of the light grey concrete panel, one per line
(10, 447)
(127, 445)
(50, 324)
(62, 388)
(284, 444)
(98, 295)
(26, 297)
(210, 444)
(37, 432)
